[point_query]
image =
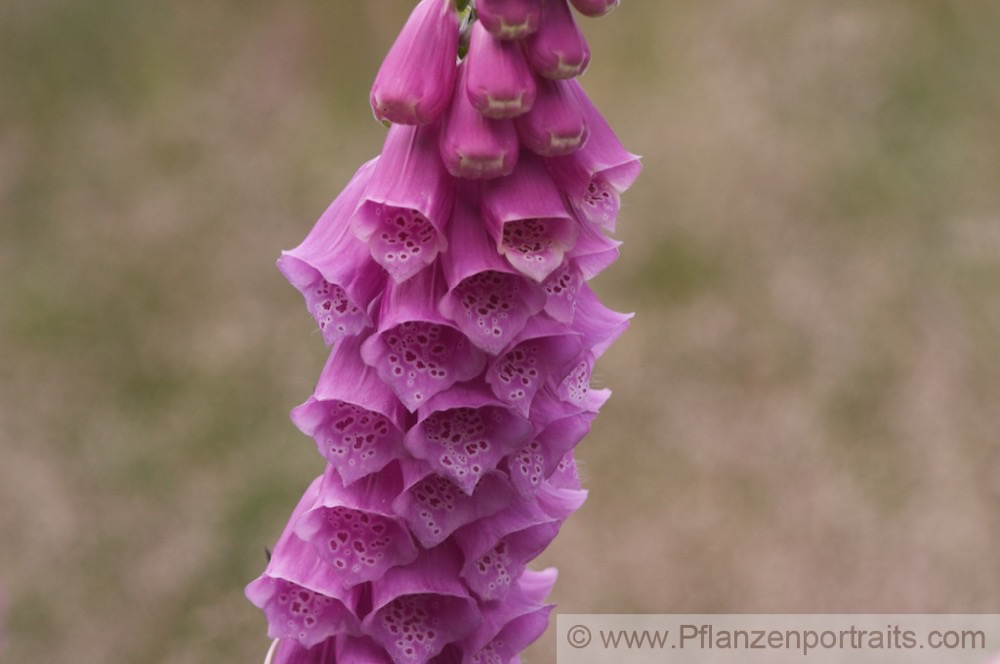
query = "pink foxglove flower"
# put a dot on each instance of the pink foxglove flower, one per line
(557, 49)
(499, 83)
(449, 277)
(414, 84)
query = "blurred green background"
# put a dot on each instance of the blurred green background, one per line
(807, 409)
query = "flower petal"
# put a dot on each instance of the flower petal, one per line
(415, 81)
(407, 203)
(415, 350)
(487, 299)
(333, 270)
(354, 529)
(543, 349)
(595, 8)
(555, 125)
(496, 549)
(557, 49)
(435, 507)
(594, 176)
(355, 419)
(499, 82)
(528, 220)
(472, 145)
(463, 433)
(509, 19)
(512, 625)
(302, 596)
(418, 609)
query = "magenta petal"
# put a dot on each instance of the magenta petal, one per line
(334, 270)
(499, 82)
(290, 652)
(354, 529)
(555, 125)
(463, 433)
(594, 176)
(355, 419)
(415, 350)
(557, 49)
(512, 625)
(497, 548)
(595, 8)
(415, 81)
(417, 610)
(561, 288)
(487, 299)
(543, 349)
(593, 251)
(360, 650)
(599, 325)
(472, 145)
(435, 507)
(303, 597)
(403, 212)
(528, 221)
(509, 19)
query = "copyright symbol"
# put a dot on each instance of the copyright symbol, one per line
(578, 636)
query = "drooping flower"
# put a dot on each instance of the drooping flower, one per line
(450, 279)
(557, 49)
(414, 83)
(499, 82)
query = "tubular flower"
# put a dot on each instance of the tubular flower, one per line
(449, 277)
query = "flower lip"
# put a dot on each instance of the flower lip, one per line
(415, 349)
(509, 19)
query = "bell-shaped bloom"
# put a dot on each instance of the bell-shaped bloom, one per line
(561, 428)
(408, 201)
(555, 125)
(557, 49)
(595, 176)
(355, 418)
(528, 220)
(464, 432)
(434, 506)
(334, 270)
(496, 549)
(473, 145)
(595, 7)
(512, 625)
(509, 19)
(499, 82)
(487, 299)
(419, 609)
(542, 350)
(415, 350)
(302, 597)
(414, 83)
(354, 529)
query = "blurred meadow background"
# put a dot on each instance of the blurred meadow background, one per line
(807, 408)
